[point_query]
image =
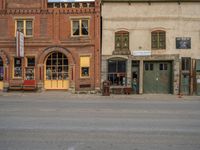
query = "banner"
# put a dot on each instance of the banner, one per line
(20, 44)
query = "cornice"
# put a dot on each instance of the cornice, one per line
(48, 11)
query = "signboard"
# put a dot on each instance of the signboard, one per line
(141, 53)
(20, 44)
(183, 43)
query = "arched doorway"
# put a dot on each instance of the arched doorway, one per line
(1, 73)
(56, 71)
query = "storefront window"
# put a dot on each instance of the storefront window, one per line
(57, 67)
(17, 67)
(84, 66)
(30, 68)
(117, 72)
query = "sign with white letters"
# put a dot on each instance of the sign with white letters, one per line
(141, 53)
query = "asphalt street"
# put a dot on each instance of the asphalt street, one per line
(63, 121)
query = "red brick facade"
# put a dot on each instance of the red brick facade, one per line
(51, 32)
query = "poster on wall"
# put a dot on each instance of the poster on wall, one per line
(183, 43)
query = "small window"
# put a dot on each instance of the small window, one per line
(163, 66)
(25, 27)
(158, 40)
(84, 71)
(17, 67)
(80, 27)
(85, 66)
(148, 66)
(186, 62)
(121, 40)
(30, 61)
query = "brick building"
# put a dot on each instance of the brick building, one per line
(152, 46)
(61, 45)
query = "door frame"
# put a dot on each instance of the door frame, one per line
(56, 82)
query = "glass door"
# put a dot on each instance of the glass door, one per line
(56, 71)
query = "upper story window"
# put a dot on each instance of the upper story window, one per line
(80, 27)
(158, 40)
(121, 40)
(25, 26)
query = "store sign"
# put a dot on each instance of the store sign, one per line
(20, 44)
(141, 53)
(183, 43)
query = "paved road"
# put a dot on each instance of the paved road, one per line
(62, 121)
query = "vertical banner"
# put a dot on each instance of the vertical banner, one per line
(20, 44)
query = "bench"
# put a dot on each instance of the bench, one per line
(15, 85)
(29, 85)
(121, 90)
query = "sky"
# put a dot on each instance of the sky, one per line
(69, 0)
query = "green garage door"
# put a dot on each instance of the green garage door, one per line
(157, 77)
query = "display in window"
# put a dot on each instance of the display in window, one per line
(85, 71)
(17, 72)
(17, 67)
(29, 73)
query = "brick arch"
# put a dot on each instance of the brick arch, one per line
(4, 57)
(60, 49)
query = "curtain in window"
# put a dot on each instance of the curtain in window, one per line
(76, 28)
(20, 26)
(84, 26)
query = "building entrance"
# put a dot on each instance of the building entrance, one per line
(157, 77)
(56, 72)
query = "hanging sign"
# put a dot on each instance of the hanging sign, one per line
(20, 44)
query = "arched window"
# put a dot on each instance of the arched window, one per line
(158, 39)
(121, 40)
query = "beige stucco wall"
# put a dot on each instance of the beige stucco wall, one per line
(141, 18)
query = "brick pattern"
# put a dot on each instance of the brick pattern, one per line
(52, 32)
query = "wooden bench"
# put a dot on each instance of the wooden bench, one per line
(29, 85)
(15, 85)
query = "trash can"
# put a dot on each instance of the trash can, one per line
(106, 88)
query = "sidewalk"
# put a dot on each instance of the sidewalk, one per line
(65, 94)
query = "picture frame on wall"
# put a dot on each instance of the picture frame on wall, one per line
(183, 42)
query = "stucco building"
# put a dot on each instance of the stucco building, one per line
(61, 45)
(152, 46)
